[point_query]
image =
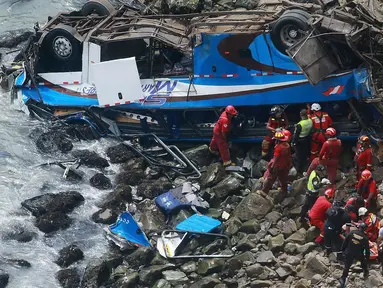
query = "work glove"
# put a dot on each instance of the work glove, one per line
(325, 181)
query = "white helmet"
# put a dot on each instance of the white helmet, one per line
(362, 211)
(316, 107)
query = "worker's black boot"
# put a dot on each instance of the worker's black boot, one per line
(365, 274)
(342, 282)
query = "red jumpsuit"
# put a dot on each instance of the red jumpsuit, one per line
(353, 214)
(321, 121)
(219, 143)
(318, 215)
(363, 159)
(273, 123)
(282, 162)
(373, 226)
(367, 187)
(329, 156)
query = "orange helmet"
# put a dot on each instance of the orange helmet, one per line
(330, 193)
(281, 136)
(366, 175)
(364, 139)
(231, 110)
(330, 132)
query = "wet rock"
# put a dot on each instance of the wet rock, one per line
(96, 273)
(151, 189)
(261, 284)
(276, 243)
(266, 257)
(150, 216)
(207, 282)
(151, 274)
(119, 153)
(251, 226)
(259, 169)
(68, 278)
(199, 155)
(135, 164)
(120, 272)
(128, 281)
(228, 186)
(210, 266)
(90, 159)
(16, 262)
(11, 39)
(54, 221)
(298, 237)
(69, 255)
(117, 198)
(175, 277)
(302, 283)
(232, 225)
(105, 216)
(255, 205)
(52, 142)
(162, 283)
(4, 278)
(63, 202)
(139, 257)
(100, 181)
(214, 174)
(132, 177)
(20, 235)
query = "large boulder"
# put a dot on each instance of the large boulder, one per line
(229, 185)
(119, 153)
(53, 221)
(68, 278)
(259, 168)
(20, 234)
(153, 273)
(139, 257)
(116, 199)
(11, 39)
(214, 174)
(54, 141)
(298, 187)
(96, 273)
(105, 216)
(100, 181)
(150, 216)
(4, 278)
(151, 189)
(90, 159)
(135, 164)
(132, 177)
(255, 205)
(63, 202)
(69, 255)
(313, 265)
(199, 155)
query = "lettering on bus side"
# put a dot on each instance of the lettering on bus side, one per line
(89, 90)
(158, 93)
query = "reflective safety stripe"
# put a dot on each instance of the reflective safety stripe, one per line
(306, 125)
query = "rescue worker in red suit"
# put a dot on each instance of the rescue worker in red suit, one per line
(321, 121)
(372, 222)
(367, 189)
(277, 120)
(356, 203)
(330, 154)
(219, 143)
(318, 215)
(279, 167)
(363, 156)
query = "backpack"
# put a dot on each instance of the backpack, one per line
(334, 214)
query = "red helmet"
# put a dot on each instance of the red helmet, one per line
(287, 134)
(330, 132)
(330, 193)
(231, 110)
(364, 139)
(281, 136)
(366, 175)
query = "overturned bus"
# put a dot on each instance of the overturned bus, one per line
(122, 72)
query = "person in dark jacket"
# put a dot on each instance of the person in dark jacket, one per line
(356, 247)
(337, 216)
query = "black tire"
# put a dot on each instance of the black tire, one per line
(295, 20)
(98, 7)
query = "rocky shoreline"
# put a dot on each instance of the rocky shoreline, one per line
(271, 247)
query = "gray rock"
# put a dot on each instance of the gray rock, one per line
(12, 38)
(282, 273)
(105, 216)
(54, 141)
(251, 226)
(200, 154)
(298, 187)
(63, 202)
(375, 279)
(69, 255)
(151, 274)
(255, 205)
(312, 234)
(139, 257)
(51, 222)
(273, 217)
(259, 168)
(119, 153)
(116, 199)
(128, 281)
(302, 283)
(18, 263)
(298, 237)
(290, 248)
(245, 257)
(151, 218)
(130, 177)
(306, 248)
(20, 234)
(312, 266)
(207, 282)
(277, 196)
(135, 164)
(293, 260)
(96, 273)
(317, 278)
(68, 278)
(175, 277)
(232, 266)
(189, 267)
(214, 174)
(120, 272)
(221, 285)
(151, 189)
(90, 159)
(228, 186)
(266, 257)
(254, 271)
(276, 243)
(162, 283)
(288, 227)
(247, 243)
(232, 226)
(261, 284)
(182, 7)
(100, 181)
(210, 266)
